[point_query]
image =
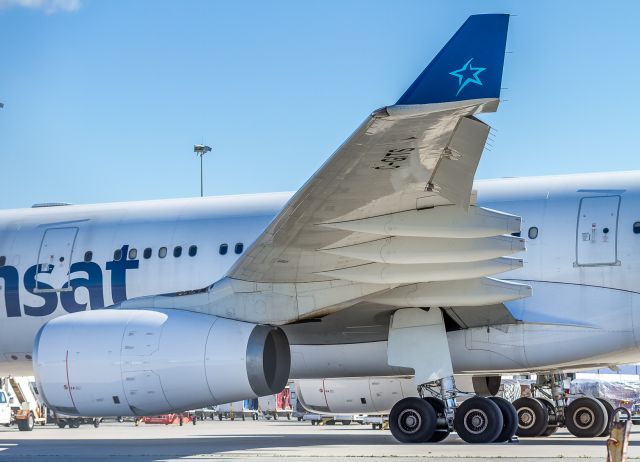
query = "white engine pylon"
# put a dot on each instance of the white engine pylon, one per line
(418, 339)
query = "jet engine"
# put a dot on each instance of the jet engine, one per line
(375, 395)
(138, 362)
(366, 395)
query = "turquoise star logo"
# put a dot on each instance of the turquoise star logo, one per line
(467, 74)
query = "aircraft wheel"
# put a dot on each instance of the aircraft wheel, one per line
(551, 429)
(509, 419)
(478, 420)
(586, 417)
(533, 417)
(412, 420)
(609, 408)
(441, 432)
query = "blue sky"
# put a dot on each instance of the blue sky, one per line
(105, 99)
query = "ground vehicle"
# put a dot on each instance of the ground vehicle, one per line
(75, 422)
(238, 410)
(5, 410)
(26, 407)
(278, 405)
(206, 412)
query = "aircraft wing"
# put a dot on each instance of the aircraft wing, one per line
(420, 153)
(390, 215)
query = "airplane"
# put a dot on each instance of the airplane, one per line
(384, 263)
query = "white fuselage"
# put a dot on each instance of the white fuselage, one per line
(583, 265)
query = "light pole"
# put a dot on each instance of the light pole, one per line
(201, 150)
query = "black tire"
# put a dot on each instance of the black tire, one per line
(533, 417)
(441, 432)
(120, 419)
(299, 419)
(346, 422)
(586, 417)
(412, 420)
(219, 416)
(61, 423)
(609, 408)
(509, 419)
(26, 425)
(96, 423)
(478, 420)
(551, 429)
(74, 423)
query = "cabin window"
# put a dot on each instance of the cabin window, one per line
(239, 248)
(3, 260)
(533, 232)
(147, 253)
(193, 250)
(177, 251)
(636, 227)
(162, 252)
(117, 255)
(133, 253)
(88, 255)
(223, 249)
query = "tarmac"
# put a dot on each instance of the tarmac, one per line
(275, 441)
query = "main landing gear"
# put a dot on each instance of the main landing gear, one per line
(431, 417)
(584, 417)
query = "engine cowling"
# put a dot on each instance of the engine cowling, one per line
(366, 395)
(139, 362)
(374, 395)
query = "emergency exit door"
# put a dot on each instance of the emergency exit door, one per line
(54, 259)
(597, 231)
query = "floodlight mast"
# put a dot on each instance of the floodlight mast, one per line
(201, 150)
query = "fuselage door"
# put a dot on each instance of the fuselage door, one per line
(597, 231)
(54, 259)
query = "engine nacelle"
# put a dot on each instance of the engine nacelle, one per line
(375, 395)
(366, 395)
(139, 362)
(482, 385)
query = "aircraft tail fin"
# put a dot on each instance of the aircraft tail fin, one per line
(468, 67)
